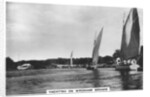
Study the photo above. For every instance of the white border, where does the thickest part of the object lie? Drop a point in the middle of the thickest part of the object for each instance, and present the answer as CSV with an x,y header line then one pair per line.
x,y
144,4
2,48
115,3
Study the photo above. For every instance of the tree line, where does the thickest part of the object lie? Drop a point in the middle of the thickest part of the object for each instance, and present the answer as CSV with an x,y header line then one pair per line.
x,y
82,62
51,63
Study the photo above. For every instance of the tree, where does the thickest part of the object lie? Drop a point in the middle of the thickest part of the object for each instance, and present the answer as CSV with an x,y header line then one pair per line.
x,y
116,54
10,64
108,59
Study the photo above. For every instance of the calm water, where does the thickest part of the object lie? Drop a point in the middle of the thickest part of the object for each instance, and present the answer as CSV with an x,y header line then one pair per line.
x,y
38,82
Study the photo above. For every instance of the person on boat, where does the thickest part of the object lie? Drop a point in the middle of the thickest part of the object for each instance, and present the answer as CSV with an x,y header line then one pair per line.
x,y
118,61
134,65
124,62
129,61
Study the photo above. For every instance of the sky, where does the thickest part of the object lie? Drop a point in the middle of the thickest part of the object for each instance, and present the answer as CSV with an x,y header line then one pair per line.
x,y
42,31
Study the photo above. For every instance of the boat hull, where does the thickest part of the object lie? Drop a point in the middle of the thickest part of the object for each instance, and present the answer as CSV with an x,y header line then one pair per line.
x,y
127,68
91,67
122,68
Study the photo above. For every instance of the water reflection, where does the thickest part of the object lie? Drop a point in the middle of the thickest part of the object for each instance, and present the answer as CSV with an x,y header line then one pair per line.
x,y
125,79
96,78
117,80
76,78
130,81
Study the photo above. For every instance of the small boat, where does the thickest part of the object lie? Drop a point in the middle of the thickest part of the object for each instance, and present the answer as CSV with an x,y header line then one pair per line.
x,y
130,42
24,66
128,66
95,54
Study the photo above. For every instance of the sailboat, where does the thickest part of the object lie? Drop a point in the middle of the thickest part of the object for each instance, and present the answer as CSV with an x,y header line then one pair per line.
x,y
71,59
130,41
95,53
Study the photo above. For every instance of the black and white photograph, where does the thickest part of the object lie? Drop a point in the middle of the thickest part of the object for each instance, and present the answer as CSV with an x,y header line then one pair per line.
x,y
79,47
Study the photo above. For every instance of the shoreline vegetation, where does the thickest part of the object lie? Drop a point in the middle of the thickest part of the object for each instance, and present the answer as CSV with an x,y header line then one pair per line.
x,y
103,62
106,61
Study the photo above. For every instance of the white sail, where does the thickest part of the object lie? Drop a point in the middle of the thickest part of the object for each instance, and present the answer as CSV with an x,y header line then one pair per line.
x,y
131,36
95,53
71,59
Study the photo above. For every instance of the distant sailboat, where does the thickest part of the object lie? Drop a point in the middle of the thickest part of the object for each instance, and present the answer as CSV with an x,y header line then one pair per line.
x,y
130,38
95,53
71,59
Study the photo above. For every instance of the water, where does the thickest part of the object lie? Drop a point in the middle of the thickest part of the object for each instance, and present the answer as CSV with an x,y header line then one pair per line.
x,y
38,81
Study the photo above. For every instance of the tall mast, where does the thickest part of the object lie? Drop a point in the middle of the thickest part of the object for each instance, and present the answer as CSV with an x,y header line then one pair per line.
x,y
71,59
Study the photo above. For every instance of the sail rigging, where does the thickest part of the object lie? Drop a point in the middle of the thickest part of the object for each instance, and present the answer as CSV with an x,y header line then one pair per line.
x,y
131,36
71,59
97,43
